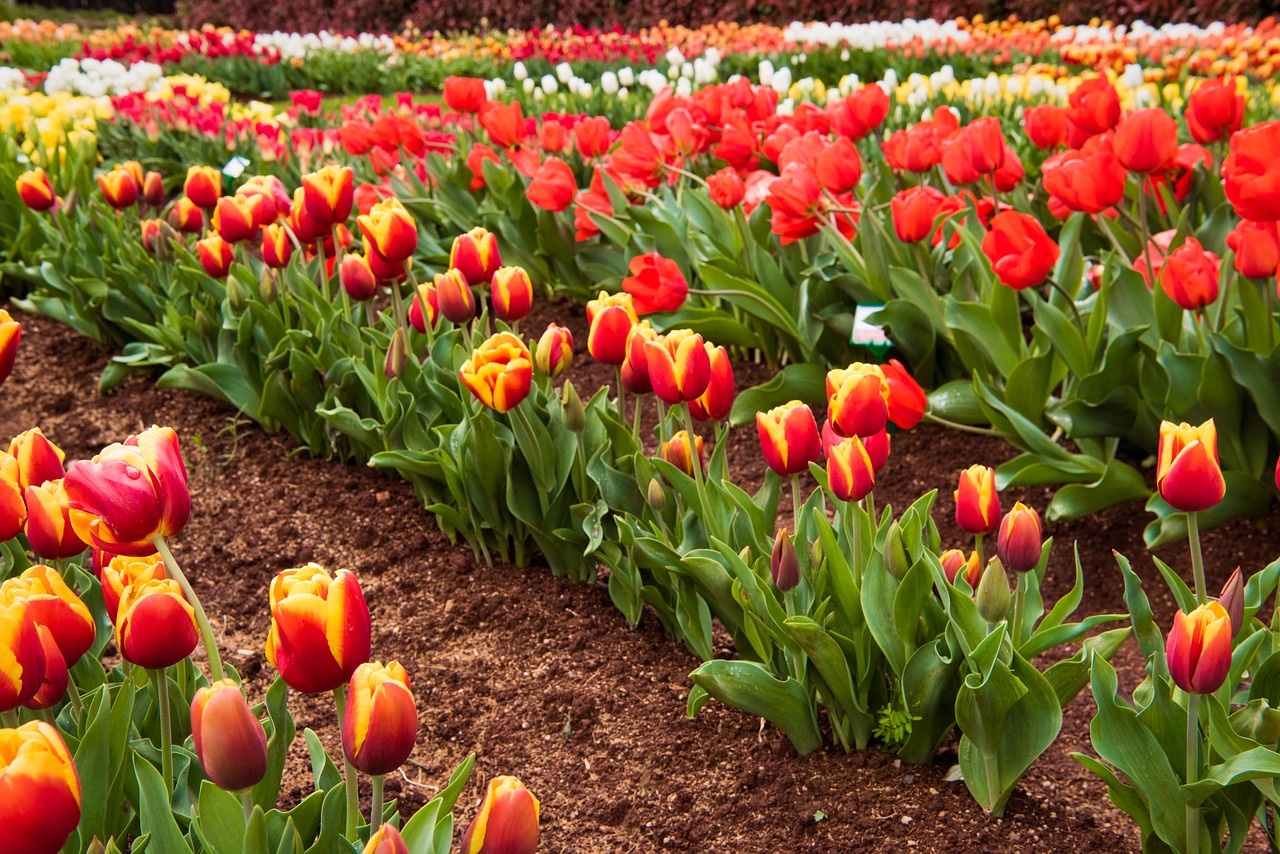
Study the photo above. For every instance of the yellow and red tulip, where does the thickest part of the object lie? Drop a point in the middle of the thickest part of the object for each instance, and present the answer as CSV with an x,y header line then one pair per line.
x,y
119,187
390,230
386,840
499,372
130,493
381,724
53,685
229,739
716,402
49,528
319,628
507,822
35,190
1198,649
268,198
635,365
1020,541
153,189
21,656
155,625
54,605
676,452
453,294
329,194
120,571
679,367
476,255
39,460
954,563
610,317
203,186
216,255
512,294
858,398
134,169
277,248
356,277
186,216
233,219
39,790
850,471
977,501
13,509
10,336
424,311
555,351
1187,471
789,438
150,232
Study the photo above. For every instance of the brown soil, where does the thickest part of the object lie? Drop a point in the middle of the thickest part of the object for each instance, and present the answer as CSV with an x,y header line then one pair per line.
x,y
541,678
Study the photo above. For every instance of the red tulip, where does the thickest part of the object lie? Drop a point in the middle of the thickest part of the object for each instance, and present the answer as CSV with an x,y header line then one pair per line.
x,y
328,195
592,136
390,230
153,189
1020,541
186,216
789,438
553,186
907,400
38,459
216,255
356,277
858,399
954,560
838,167
1189,275
386,840
635,366
611,318
974,151
476,255
21,657
726,188
1214,111
1146,140
716,402
53,685
233,219
913,212
1021,253
229,740
1257,248
977,501
1091,179
49,528
120,571
35,190
860,112
203,186
155,625
1198,649
676,451
319,628
424,311
453,294
784,563
277,248
655,284
504,123
851,473
679,367
476,158
39,790
1046,126
381,724
119,188
465,94
1251,172
1188,475
1094,106
54,605
13,509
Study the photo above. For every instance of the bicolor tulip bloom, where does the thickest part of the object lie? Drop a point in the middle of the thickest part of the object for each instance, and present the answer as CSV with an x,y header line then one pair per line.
x,y
676,452
233,219
270,191
386,840
424,311
1188,475
789,438
151,234
512,294
21,657
329,194
453,295
907,400
155,625
53,685
555,351
39,790
216,255
49,529
54,605
118,188
679,367
13,509
977,501
635,367
153,189
10,336
476,255
655,284
1020,541
121,571
716,402
130,493
356,277
381,724
499,372
1198,649
390,230
186,216
319,628
203,186
277,248
611,318
851,474
507,822
39,460
858,399
229,739
954,563
35,190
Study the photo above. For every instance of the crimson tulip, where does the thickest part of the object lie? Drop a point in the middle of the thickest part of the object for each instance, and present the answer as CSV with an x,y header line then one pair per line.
x,y
229,740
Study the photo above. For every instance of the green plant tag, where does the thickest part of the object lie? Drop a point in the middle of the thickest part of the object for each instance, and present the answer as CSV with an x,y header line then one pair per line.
x,y
868,334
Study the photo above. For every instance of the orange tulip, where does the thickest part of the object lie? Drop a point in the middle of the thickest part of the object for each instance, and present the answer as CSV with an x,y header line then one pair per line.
x,y
203,186
679,366
216,255
54,605
10,335
1198,649
977,501
1188,475
512,294
155,625
328,195
233,219
390,230
676,452
507,822
555,351
49,529
858,399
381,724
35,190
453,294
954,560
356,277
1020,541
789,438
119,188
386,840
123,570
39,790
39,460
21,657
319,628
851,474
611,318
499,372
716,402
186,216
53,685
229,739
476,255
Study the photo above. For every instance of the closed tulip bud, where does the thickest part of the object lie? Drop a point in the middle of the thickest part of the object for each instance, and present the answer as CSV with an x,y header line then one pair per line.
x,y
203,186
229,739
850,470
676,452
512,294
1188,475
329,194
977,501
386,840
49,528
35,190
54,605
954,561
716,402
858,398
151,234
21,658
1214,111
39,790
993,592
726,188
575,414
895,552
120,571
119,188
390,230
53,685
507,822
656,495
1198,649
216,255
1232,600
381,724
789,438
153,189
356,277
1189,275
10,335
635,366
268,285
186,216
237,296
476,255
155,625
13,508
233,219
453,293
611,318
555,351
397,357
1020,541
130,493
907,400
277,248
784,564
319,628
424,311
499,372
679,366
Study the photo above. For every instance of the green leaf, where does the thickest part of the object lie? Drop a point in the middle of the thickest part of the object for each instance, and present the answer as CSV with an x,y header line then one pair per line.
x,y
155,816
220,824
323,770
281,732
749,686
804,382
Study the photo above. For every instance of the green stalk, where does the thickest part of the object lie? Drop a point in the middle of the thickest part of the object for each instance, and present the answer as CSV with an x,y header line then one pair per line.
x,y
855,537
696,462
622,393
1019,597
977,547
246,800
1197,561
349,771
166,729
963,428
796,503
73,694
1193,770
375,810
202,619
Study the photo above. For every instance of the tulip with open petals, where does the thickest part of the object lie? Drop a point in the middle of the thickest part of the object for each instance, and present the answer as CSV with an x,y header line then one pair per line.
x,y
39,790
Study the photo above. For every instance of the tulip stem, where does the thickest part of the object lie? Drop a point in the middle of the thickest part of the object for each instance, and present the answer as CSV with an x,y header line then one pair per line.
x,y
1146,241
622,394
1071,302
73,694
202,619
977,547
1019,598
854,524
1197,561
695,461
246,800
166,729
796,503
349,771
956,425
375,809
1193,770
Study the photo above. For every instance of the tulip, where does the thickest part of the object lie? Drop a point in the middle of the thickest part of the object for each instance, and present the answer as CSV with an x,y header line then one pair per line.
x,y
499,372
1251,172
153,189
229,739
1089,180
1189,275
993,594
216,255
425,309
1046,126
268,198
555,351
858,397
839,167
356,277
1232,600
203,186
974,151
507,821
35,190
977,502
13,509
186,216
319,628
1094,106
381,723
21,656
454,297
119,188
397,355
277,248
907,400
1198,649
512,294
476,255
553,186
39,790
1146,140
53,685
635,366
592,136
155,625
954,561
390,230
784,564
49,528
913,212
10,335
726,188
679,366
120,571
54,605
465,94
676,452
851,473
151,234
233,219
386,840
553,138
1021,254
1214,111
1020,541
860,112
716,401
328,195
611,318
1188,475
655,284
476,158
130,493
789,438
1257,248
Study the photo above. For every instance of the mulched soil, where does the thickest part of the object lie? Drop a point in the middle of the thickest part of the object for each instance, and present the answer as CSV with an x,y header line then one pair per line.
x,y
541,678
